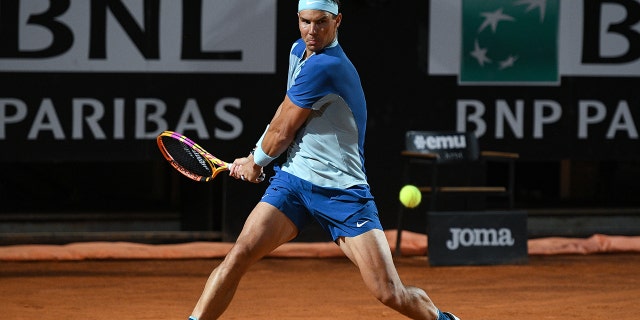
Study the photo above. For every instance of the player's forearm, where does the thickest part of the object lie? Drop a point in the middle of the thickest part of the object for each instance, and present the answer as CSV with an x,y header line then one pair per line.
x,y
270,146
280,133
276,141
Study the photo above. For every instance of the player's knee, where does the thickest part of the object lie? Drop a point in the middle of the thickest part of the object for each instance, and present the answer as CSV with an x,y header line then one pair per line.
x,y
390,295
392,300
238,259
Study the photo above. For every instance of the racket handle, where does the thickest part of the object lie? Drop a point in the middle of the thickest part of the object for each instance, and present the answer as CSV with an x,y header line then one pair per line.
x,y
259,179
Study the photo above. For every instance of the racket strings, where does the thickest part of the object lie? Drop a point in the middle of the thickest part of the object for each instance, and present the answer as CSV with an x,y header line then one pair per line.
x,y
188,158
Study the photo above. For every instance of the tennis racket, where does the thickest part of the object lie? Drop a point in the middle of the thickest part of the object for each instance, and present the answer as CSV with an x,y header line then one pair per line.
x,y
190,159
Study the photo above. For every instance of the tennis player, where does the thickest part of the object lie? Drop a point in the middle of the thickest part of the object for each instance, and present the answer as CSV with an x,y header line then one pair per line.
x,y
321,125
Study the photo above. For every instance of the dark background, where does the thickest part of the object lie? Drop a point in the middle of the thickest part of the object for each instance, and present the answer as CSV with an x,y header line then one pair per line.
x,y
388,43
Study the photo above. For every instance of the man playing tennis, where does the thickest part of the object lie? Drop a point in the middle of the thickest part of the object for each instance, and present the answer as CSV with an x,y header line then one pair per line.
x,y
321,124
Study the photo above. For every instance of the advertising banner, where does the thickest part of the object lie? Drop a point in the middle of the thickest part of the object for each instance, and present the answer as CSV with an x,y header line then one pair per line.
x,y
550,79
99,80
195,36
477,237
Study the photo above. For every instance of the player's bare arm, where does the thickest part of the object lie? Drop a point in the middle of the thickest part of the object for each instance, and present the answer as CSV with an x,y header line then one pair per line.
x,y
283,127
281,132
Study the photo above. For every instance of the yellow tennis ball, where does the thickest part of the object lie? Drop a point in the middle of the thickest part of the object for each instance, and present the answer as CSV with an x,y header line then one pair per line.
x,y
410,196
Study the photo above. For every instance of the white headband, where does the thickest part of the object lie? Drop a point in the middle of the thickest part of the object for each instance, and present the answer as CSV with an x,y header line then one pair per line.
x,y
325,5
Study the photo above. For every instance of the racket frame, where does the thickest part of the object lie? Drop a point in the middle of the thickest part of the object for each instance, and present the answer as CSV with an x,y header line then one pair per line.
x,y
214,163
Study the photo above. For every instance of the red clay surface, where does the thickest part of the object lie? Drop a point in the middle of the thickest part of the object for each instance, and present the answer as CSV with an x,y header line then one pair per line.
x,y
599,286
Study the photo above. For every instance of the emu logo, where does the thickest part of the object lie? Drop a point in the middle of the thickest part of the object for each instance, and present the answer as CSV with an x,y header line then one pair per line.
x,y
447,142
479,237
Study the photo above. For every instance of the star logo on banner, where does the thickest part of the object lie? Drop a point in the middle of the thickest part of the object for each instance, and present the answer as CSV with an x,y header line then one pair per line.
x,y
541,4
480,54
510,41
508,63
492,19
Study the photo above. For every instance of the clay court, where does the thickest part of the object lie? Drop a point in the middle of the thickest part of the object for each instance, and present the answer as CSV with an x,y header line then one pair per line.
x,y
550,286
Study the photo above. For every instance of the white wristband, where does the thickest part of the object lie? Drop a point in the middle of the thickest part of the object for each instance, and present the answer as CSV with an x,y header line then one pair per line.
x,y
261,158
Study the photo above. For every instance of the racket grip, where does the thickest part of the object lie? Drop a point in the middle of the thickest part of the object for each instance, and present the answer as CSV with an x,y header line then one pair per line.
x,y
259,179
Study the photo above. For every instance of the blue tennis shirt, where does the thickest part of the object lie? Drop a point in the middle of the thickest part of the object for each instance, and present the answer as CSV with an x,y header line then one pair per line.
x,y
328,149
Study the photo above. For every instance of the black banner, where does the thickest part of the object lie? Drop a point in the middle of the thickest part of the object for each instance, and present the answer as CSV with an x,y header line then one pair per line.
x,y
115,117
477,237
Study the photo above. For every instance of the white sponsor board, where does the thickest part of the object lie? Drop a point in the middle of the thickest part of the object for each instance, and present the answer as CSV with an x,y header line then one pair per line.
x,y
601,40
205,36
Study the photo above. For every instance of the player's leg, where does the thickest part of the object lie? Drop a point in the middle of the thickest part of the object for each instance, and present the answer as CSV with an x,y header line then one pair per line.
x,y
370,252
265,229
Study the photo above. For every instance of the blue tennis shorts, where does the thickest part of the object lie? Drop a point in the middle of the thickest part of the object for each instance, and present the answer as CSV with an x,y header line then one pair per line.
x,y
341,212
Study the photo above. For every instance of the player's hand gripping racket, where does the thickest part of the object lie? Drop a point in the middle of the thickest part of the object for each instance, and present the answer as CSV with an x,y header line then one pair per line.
x,y
190,159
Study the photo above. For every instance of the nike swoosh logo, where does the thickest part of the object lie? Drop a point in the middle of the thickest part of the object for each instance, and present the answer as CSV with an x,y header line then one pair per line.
x,y
360,224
